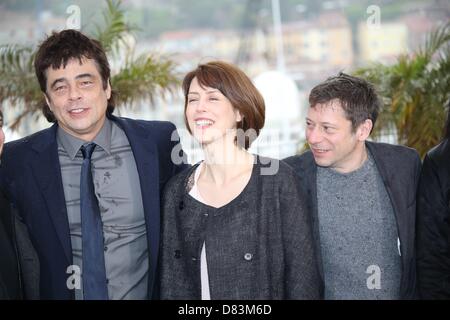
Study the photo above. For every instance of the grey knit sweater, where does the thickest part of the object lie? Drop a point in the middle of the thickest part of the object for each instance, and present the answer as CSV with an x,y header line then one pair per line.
x,y
358,235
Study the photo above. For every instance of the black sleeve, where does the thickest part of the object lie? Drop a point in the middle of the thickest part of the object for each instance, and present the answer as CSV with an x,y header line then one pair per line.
x,y
433,234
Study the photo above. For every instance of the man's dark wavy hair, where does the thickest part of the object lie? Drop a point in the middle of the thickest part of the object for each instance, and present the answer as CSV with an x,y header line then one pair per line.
x,y
358,97
58,49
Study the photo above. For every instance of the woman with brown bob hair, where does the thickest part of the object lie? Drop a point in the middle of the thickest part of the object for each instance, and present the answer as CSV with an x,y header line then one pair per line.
x,y
235,225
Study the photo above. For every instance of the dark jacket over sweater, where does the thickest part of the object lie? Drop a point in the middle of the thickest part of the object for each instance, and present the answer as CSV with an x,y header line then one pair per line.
x,y
259,246
399,168
433,224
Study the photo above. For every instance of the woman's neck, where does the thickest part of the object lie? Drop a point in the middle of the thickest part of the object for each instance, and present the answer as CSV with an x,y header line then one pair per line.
x,y
224,162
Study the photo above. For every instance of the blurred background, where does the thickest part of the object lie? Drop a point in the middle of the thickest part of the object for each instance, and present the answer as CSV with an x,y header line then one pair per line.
x,y
285,46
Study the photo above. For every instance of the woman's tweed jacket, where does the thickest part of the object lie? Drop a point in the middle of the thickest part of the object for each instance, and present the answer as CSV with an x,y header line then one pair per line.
x,y
258,246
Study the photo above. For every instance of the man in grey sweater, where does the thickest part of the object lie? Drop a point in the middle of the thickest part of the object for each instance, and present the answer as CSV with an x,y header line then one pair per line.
x,y
361,195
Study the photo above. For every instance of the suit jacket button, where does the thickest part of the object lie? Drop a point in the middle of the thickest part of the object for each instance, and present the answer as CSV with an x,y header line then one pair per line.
x,y
177,254
248,256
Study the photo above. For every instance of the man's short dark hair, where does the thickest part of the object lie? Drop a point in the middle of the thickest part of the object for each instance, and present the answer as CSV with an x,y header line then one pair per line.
x,y
58,49
358,97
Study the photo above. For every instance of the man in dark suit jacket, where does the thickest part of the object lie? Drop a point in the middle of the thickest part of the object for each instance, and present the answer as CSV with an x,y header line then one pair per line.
x,y
131,161
19,266
433,221
361,195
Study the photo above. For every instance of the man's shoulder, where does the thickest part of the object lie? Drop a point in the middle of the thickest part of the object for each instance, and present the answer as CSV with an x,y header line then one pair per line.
x,y
398,152
24,144
395,159
148,124
158,130
440,154
301,161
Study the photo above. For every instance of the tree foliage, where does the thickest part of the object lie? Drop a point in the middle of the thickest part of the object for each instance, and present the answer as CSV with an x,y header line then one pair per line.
x,y
414,92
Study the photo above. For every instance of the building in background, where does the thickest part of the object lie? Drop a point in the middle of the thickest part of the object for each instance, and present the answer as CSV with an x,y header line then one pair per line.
x,y
315,47
383,43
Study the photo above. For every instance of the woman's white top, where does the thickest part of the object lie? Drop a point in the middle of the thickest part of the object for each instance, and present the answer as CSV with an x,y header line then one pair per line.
x,y
203,265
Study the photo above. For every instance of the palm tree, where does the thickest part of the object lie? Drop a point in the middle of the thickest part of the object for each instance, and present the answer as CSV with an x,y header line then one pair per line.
x,y
414,92
139,78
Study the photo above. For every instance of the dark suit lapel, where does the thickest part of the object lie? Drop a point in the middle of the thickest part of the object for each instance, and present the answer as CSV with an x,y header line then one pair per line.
x,y
381,158
47,171
146,156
